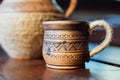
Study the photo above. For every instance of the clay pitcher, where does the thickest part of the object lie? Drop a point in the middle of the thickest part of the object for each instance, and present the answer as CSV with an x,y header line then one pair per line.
x,y
21,32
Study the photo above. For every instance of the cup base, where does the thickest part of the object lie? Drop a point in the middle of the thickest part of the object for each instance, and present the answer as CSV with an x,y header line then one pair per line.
x,y
66,67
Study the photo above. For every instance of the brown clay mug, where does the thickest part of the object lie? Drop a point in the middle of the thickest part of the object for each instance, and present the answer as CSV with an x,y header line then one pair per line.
x,y
65,43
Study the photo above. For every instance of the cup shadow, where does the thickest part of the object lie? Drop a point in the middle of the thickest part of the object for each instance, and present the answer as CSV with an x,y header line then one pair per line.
x,y
74,74
3,54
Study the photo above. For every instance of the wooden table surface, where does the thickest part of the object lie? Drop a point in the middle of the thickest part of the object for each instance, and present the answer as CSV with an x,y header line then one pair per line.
x,y
11,69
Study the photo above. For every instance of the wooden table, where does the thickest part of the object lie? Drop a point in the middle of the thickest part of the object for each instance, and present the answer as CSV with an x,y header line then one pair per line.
x,y
11,69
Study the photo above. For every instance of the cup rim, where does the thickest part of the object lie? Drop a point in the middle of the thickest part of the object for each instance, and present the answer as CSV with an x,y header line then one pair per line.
x,y
64,22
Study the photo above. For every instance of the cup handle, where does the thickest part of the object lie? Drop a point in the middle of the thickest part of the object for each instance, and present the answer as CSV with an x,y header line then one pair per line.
x,y
107,39
71,8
